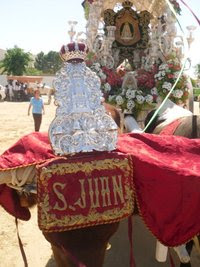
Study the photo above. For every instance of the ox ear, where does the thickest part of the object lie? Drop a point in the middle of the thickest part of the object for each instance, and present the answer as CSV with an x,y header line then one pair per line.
x,y
10,201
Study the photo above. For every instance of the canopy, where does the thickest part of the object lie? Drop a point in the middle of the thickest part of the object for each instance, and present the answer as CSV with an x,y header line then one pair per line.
x,y
155,7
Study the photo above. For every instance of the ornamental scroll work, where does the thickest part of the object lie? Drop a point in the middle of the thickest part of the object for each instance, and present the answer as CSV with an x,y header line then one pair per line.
x,y
80,192
131,27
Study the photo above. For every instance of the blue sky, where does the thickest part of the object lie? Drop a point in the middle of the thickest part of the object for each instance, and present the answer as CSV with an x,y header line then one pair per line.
x,y
38,25
42,25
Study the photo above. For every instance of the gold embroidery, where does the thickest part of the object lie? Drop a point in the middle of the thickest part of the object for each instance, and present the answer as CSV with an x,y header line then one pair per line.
x,y
49,222
105,191
91,192
118,189
60,196
81,202
86,167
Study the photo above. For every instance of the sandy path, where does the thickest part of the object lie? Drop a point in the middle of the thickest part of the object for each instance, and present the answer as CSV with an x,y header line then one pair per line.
x,y
15,123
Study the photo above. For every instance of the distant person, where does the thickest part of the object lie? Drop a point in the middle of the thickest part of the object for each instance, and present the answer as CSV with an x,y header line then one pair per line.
x,y
7,92
16,89
37,105
10,90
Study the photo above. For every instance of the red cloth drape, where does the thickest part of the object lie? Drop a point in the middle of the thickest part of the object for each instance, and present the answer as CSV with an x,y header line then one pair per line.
x,y
166,179
167,184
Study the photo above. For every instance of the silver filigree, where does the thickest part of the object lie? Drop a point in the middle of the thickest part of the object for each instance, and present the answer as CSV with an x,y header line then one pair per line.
x,y
81,123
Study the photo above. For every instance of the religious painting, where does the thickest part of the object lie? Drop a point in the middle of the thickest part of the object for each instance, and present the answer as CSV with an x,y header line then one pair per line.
x,y
131,26
127,30
131,34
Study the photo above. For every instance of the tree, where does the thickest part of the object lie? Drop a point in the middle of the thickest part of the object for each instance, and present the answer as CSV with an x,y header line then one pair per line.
x,y
40,61
15,61
32,71
49,63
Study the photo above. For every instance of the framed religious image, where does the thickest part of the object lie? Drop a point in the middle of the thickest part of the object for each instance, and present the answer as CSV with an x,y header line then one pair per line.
x,y
127,29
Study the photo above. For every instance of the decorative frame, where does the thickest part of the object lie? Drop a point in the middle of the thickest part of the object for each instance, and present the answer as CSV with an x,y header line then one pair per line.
x,y
138,23
68,173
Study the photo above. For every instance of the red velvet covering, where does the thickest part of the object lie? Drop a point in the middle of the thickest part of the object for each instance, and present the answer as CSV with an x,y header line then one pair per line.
x,y
167,184
11,203
84,190
166,179
29,150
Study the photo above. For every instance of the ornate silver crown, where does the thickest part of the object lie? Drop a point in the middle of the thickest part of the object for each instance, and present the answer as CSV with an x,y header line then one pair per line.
x,y
81,123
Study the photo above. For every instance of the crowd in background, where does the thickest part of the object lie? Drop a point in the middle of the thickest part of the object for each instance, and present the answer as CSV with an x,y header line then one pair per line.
x,y
16,91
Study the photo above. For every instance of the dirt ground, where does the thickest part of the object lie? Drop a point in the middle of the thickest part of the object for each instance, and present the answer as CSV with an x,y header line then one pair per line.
x,y
15,123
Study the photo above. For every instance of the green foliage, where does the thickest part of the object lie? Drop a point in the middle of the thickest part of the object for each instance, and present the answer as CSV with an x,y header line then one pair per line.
x,y
196,91
194,82
15,61
33,72
39,61
49,63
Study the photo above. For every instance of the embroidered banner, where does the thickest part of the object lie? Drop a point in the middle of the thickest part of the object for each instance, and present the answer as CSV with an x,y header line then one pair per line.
x,y
91,189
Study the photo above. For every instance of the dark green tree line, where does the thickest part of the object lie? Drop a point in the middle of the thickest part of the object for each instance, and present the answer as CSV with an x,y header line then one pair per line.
x,y
15,61
49,63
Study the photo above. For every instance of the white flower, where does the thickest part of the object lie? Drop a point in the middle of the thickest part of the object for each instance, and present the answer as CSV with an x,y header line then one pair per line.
x,y
130,104
107,87
140,99
167,85
154,91
163,66
97,66
159,75
119,100
133,93
163,73
176,74
102,75
177,93
130,93
149,98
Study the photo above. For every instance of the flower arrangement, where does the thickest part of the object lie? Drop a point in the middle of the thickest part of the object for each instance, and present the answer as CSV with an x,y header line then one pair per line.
x,y
111,80
165,78
138,92
141,89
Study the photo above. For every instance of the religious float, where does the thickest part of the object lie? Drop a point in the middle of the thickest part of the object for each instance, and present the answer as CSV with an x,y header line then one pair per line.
x,y
85,176
137,52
